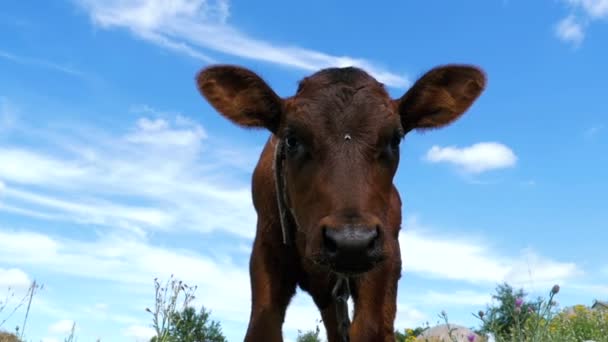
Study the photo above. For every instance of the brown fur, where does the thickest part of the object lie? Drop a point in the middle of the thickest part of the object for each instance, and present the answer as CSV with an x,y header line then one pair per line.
x,y
332,182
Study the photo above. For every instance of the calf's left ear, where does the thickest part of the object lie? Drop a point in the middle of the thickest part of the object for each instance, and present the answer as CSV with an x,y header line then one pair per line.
x,y
440,96
241,96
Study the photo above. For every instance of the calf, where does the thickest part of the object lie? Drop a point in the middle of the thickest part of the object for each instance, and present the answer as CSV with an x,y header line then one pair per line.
x,y
328,212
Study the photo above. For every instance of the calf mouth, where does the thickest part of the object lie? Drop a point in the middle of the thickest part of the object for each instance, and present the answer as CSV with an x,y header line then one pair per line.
x,y
348,267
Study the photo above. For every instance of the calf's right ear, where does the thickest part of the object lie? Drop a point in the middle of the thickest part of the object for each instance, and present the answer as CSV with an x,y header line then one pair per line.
x,y
241,96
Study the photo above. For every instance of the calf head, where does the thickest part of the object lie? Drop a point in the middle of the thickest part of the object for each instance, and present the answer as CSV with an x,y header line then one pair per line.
x,y
342,132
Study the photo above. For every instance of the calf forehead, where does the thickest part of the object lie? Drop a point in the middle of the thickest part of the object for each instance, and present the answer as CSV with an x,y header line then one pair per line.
x,y
342,99
352,76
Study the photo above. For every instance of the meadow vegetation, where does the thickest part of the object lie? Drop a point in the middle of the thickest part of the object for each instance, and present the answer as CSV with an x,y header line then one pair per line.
x,y
512,317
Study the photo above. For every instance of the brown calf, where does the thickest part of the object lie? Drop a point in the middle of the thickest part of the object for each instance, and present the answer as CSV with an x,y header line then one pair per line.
x,y
323,187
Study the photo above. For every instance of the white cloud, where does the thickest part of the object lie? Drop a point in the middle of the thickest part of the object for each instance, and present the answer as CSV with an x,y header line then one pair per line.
x,y
473,261
189,25
62,327
167,163
460,298
140,333
302,314
408,317
593,131
24,166
594,8
223,287
14,278
132,262
598,291
477,158
8,115
159,132
570,30
41,63
50,339
95,212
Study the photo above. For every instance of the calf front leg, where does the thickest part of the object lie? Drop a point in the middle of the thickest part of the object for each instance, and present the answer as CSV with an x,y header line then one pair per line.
x,y
272,286
320,285
375,298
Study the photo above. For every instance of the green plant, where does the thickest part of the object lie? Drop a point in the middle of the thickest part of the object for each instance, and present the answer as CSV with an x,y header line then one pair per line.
x,y
190,326
579,324
509,315
71,337
408,335
8,337
175,320
309,336
166,303
541,321
27,298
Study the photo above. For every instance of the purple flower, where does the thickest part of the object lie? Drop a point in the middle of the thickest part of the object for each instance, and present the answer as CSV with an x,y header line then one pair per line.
x,y
519,302
471,337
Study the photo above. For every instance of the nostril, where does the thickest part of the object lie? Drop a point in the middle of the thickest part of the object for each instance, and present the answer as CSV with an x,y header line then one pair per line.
x,y
372,244
374,240
329,242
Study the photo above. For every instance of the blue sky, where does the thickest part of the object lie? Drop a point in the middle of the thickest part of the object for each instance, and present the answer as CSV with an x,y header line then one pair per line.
x,y
114,171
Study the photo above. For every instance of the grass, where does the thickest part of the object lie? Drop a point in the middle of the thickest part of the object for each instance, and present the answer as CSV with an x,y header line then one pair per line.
x,y
512,319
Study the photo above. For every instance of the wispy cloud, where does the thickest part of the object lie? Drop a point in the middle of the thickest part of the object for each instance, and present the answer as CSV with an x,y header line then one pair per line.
x,y
571,29
593,131
190,26
140,333
8,115
62,327
460,297
477,158
42,64
472,261
132,263
167,163
13,278
595,9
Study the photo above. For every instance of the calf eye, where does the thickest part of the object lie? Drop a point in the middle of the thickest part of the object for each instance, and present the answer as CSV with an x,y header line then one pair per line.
x,y
395,141
292,142
390,151
293,145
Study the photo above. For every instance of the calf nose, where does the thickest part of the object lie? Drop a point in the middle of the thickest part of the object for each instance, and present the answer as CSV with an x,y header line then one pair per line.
x,y
351,248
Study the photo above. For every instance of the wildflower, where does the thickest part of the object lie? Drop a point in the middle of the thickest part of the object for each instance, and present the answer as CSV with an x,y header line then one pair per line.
x,y
519,302
555,289
481,314
471,337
